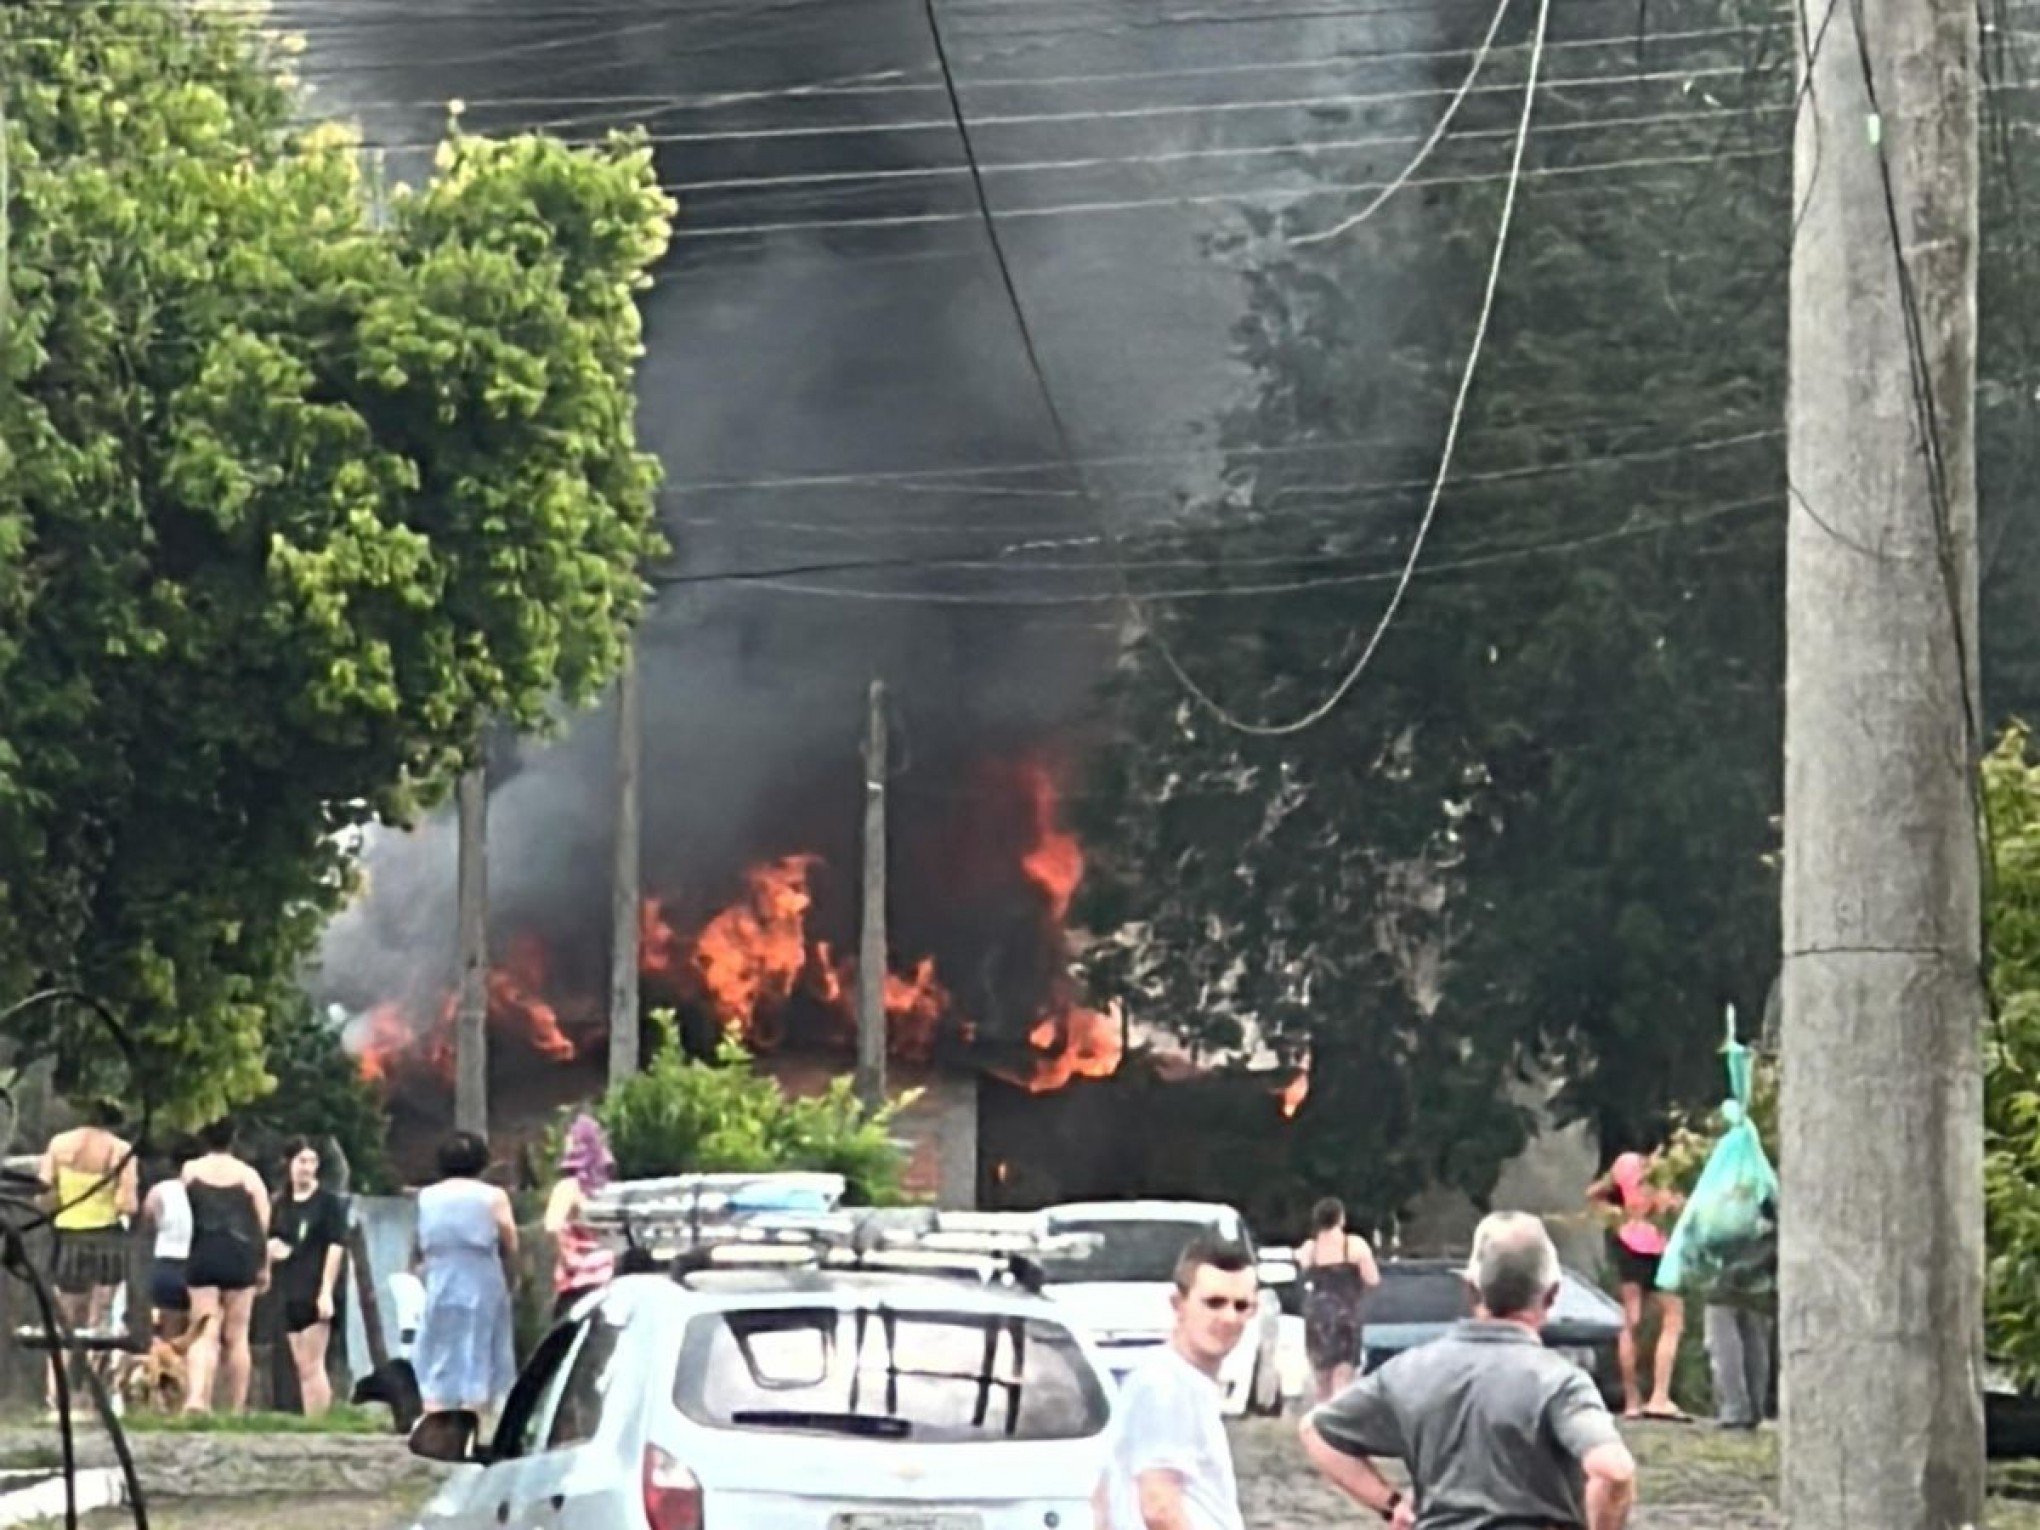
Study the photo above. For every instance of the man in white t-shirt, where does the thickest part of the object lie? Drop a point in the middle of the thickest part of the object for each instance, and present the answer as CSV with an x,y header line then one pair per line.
x,y
1171,1465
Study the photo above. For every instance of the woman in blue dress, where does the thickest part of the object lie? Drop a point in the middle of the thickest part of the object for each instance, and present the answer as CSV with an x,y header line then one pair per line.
x,y
466,1252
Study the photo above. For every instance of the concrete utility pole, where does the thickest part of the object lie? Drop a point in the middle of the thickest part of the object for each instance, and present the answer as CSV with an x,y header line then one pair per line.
x,y
1881,1257
625,893
871,950
471,1017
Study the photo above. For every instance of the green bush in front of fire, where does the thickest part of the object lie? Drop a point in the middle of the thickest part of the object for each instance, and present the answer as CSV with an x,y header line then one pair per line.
x,y
300,486
680,1115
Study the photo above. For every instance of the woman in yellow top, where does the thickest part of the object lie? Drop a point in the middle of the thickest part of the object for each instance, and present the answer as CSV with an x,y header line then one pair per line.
x,y
91,1175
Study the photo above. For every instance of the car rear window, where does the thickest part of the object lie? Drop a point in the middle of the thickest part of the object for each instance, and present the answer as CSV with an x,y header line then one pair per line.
x,y
880,1373
1144,1252
1417,1296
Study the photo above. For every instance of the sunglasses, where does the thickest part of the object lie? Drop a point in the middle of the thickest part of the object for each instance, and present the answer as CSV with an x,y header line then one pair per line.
x,y
1221,1303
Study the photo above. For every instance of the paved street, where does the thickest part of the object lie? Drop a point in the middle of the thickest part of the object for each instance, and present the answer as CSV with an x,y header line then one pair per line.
x,y
1693,1479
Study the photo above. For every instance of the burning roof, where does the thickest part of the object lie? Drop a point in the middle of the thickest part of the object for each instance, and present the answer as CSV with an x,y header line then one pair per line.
x,y
756,967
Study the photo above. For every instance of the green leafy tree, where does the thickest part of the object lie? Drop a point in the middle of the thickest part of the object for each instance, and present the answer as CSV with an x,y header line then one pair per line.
x,y
298,486
2012,1057
1538,838
1533,839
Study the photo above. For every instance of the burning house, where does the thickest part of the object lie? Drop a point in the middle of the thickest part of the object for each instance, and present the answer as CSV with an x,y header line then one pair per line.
x,y
764,966
834,384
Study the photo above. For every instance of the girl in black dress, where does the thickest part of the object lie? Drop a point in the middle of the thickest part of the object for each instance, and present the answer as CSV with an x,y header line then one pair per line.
x,y
1338,1271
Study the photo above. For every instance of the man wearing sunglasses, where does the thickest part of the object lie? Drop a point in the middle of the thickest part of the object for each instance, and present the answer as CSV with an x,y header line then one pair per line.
x,y
1496,1430
1171,1465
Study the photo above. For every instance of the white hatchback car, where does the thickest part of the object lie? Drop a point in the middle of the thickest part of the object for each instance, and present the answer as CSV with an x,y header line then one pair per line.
x,y
1117,1293
794,1399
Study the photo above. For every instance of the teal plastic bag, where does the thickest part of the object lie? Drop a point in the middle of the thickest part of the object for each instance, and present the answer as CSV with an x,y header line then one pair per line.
x,y
1725,1240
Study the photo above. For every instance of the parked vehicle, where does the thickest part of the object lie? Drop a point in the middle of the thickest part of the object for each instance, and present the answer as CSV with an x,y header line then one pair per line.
x,y
793,1398
1117,1291
1419,1299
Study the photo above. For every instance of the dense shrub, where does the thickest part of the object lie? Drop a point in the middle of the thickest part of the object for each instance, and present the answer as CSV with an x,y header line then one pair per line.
x,y
682,1116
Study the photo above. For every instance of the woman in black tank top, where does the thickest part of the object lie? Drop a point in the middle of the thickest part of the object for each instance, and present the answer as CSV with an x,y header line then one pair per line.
x,y
229,1257
226,1243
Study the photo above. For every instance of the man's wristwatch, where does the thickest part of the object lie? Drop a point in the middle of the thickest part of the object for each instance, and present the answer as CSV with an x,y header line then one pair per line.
x,y
1394,1502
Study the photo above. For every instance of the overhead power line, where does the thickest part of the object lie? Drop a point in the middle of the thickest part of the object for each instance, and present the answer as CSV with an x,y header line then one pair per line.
x,y
788,583
899,81
1437,136
1066,444
697,234
1316,714
1302,149
970,477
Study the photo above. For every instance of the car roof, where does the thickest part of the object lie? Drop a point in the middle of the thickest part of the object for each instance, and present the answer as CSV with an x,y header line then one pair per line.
x,y
723,1290
1438,1264
1143,1211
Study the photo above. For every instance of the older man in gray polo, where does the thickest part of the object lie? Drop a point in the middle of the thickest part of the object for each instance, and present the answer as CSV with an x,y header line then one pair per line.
x,y
1496,1430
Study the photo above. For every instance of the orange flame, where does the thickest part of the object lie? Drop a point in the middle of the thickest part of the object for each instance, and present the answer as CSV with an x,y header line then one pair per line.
x,y
914,1007
1295,1093
1079,1043
826,976
755,951
386,1038
1055,862
658,946
515,1005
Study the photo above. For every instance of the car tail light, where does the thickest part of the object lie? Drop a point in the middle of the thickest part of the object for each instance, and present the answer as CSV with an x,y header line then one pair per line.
x,y
672,1495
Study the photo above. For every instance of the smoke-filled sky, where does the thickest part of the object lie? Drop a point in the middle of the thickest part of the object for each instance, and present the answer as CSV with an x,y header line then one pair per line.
x,y
835,373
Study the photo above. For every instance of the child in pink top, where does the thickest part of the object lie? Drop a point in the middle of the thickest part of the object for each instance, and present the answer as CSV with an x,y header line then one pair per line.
x,y
582,1261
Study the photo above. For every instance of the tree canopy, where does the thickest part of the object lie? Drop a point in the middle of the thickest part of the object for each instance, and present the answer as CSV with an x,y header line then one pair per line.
x,y
1536,841
299,484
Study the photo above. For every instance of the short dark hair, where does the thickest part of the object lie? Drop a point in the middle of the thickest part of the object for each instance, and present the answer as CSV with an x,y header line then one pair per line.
x,y
1210,1249
293,1146
1327,1214
463,1155
219,1137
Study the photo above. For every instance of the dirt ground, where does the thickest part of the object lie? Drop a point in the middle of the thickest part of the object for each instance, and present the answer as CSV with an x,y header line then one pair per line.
x,y
1694,1478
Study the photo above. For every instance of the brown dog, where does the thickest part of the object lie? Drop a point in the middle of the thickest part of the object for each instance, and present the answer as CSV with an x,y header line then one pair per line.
x,y
154,1380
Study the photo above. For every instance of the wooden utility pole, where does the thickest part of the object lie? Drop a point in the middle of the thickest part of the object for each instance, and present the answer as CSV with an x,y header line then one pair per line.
x,y
625,892
471,1016
1881,1217
871,950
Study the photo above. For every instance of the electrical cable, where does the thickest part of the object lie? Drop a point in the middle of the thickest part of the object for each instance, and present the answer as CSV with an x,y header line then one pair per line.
x,y
771,579
901,82
1444,125
1066,442
969,478
1264,515
767,183
1514,178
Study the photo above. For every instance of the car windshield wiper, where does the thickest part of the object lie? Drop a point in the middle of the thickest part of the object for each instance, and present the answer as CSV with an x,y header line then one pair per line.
x,y
842,1423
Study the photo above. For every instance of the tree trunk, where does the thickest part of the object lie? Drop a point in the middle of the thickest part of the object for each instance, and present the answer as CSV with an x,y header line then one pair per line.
x,y
1881,1256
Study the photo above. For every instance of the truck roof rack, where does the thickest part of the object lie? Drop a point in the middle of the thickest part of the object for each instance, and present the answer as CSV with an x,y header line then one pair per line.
x,y
694,1223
